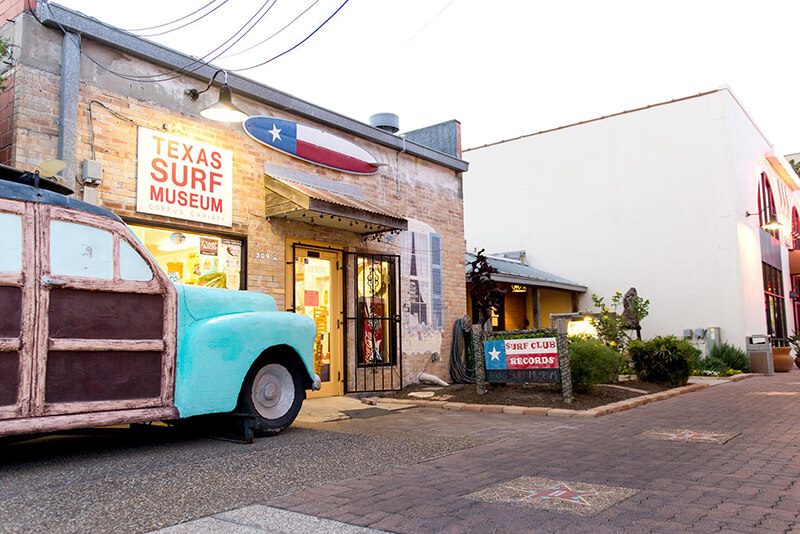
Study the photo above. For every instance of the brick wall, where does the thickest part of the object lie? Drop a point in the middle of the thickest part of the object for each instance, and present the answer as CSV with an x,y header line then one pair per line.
x,y
11,8
7,121
407,186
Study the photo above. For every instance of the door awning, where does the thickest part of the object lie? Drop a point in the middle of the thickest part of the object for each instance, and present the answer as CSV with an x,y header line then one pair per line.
x,y
300,202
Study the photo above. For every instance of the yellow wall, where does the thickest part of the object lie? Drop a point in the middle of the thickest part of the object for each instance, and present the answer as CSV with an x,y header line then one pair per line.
x,y
515,311
554,301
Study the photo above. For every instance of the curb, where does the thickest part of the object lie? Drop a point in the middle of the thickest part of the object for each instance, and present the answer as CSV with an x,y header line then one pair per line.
x,y
606,409
736,378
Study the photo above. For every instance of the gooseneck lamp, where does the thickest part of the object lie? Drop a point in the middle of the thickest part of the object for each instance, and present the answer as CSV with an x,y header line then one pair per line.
x,y
224,110
771,221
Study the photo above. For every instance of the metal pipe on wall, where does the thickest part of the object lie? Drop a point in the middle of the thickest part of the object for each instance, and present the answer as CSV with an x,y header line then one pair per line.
x,y
68,105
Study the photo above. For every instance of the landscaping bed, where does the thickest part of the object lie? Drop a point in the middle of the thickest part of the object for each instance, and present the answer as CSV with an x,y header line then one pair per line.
x,y
531,395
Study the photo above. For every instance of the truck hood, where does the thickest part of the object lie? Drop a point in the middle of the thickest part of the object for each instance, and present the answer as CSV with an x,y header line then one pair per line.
x,y
207,302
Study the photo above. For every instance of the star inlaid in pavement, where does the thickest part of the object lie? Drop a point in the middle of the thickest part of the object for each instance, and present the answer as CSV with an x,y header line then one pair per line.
x,y
561,491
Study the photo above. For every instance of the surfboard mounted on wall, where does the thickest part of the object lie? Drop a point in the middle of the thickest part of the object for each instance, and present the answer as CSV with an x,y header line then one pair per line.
x,y
311,144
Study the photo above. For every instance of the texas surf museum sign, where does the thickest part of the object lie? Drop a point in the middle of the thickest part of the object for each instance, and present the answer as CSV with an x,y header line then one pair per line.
x,y
183,178
522,360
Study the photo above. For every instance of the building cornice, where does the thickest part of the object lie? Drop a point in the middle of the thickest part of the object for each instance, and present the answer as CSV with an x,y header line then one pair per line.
x,y
56,16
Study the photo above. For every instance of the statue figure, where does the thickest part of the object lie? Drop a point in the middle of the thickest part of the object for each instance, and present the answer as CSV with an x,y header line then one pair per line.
x,y
630,319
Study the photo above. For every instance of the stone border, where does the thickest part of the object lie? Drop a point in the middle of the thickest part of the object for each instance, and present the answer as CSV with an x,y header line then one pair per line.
x,y
606,409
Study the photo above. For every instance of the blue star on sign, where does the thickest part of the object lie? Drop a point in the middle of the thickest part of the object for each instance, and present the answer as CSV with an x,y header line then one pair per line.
x,y
494,354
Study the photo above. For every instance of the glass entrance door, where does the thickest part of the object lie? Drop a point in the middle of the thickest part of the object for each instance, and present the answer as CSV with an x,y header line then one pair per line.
x,y
318,294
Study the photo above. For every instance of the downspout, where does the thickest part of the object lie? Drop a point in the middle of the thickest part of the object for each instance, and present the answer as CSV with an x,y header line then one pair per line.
x,y
68,105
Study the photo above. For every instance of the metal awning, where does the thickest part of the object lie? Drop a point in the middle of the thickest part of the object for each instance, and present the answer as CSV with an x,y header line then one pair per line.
x,y
304,203
516,272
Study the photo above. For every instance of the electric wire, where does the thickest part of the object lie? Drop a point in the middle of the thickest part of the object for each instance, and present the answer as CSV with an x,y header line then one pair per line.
x,y
184,70
132,30
204,60
306,10
201,17
419,31
273,58
116,114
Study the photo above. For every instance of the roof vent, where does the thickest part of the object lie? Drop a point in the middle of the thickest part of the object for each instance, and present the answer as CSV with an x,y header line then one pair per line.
x,y
388,122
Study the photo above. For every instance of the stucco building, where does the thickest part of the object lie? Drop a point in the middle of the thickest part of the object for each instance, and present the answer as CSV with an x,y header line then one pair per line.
x,y
669,199
375,256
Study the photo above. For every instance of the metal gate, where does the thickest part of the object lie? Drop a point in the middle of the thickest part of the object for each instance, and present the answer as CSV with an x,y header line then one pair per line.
x,y
373,341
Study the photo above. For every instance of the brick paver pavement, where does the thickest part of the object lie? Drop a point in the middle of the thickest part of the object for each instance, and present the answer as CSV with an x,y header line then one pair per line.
x,y
749,484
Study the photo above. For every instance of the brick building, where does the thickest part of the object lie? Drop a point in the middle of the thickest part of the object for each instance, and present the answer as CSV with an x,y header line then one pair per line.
x,y
375,258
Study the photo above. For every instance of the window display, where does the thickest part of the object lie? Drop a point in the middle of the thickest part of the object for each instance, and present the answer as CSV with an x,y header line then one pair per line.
x,y
195,259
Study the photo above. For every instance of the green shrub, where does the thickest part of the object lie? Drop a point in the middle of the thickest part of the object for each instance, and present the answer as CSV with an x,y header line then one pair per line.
x,y
730,357
663,359
591,362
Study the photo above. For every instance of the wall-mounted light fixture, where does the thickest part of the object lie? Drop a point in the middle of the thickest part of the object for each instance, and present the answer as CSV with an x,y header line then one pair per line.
x,y
770,222
224,110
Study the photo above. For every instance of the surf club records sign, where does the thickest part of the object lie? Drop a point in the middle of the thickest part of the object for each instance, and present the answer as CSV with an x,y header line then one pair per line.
x,y
522,360
183,178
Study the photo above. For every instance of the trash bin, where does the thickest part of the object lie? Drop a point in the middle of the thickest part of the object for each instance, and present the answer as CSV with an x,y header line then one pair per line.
x,y
759,349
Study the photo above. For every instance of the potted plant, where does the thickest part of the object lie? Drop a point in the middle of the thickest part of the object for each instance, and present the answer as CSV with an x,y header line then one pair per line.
x,y
794,342
781,355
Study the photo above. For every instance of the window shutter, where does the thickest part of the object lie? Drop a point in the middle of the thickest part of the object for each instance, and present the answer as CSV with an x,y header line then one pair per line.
x,y
437,286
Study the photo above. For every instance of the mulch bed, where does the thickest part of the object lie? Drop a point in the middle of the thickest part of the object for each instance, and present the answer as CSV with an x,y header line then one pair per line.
x,y
531,395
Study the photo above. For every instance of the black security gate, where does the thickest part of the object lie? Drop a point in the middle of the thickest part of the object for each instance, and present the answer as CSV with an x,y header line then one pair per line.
x,y
372,323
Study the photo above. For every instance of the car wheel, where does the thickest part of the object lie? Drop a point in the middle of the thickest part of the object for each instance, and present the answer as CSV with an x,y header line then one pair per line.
x,y
273,393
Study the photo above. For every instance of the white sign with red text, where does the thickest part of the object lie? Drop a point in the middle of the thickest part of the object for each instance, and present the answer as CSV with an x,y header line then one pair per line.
x,y
183,178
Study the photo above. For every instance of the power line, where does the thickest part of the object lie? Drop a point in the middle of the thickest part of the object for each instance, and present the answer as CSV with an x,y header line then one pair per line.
x,y
173,21
204,60
184,70
419,31
201,17
306,10
295,46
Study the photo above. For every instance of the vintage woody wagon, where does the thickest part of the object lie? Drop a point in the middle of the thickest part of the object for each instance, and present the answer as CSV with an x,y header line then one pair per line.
x,y
92,332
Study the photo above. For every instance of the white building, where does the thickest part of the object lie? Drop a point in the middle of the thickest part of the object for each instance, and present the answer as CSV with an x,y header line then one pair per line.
x,y
655,198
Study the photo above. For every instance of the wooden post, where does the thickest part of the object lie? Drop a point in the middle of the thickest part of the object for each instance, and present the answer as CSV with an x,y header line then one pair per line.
x,y
478,335
563,359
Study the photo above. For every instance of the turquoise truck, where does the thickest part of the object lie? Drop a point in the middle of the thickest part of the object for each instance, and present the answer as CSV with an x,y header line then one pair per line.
x,y
93,333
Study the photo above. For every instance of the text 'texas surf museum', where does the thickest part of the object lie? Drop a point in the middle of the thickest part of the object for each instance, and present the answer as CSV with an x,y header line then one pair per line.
x,y
355,226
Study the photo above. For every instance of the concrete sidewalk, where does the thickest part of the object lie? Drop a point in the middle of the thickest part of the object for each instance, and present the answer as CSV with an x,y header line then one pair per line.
x,y
722,459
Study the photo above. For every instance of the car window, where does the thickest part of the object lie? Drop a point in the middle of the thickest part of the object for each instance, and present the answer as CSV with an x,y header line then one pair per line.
x,y
80,250
131,265
11,243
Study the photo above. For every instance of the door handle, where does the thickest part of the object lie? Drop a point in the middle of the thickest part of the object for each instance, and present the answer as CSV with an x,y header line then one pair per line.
x,y
52,282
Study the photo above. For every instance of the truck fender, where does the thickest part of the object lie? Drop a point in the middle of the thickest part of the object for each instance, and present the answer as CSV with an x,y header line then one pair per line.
x,y
214,356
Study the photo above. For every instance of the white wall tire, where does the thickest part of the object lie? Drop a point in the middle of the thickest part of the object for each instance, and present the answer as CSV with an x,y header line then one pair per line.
x,y
273,393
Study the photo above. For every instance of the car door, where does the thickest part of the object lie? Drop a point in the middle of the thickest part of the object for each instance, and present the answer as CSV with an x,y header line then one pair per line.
x,y
17,294
106,318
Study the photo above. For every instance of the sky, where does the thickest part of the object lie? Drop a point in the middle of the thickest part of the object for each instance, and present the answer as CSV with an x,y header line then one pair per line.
x,y
503,68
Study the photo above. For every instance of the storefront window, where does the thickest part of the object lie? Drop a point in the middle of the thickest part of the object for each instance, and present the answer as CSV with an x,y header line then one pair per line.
x,y
773,303
194,259
376,310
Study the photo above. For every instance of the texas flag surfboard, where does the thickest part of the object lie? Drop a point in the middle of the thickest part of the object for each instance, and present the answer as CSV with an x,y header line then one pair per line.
x,y
310,144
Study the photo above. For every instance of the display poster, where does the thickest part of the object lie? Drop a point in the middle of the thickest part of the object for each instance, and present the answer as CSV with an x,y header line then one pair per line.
x,y
183,178
208,247
230,258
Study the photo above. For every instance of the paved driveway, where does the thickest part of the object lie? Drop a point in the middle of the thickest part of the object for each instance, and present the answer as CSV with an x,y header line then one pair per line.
x,y
737,471
430,470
